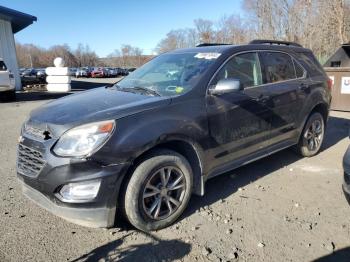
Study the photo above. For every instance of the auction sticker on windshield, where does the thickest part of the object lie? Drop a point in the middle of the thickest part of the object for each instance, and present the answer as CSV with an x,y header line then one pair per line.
x,y
208,56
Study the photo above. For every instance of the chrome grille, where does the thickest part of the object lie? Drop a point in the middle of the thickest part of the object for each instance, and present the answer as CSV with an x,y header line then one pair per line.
x,y
30,162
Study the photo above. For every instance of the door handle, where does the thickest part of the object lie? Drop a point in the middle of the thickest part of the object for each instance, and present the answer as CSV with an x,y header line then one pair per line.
x,y
303,86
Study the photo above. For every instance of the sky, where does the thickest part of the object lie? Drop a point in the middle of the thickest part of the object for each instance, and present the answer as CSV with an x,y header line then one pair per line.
x,y
106,25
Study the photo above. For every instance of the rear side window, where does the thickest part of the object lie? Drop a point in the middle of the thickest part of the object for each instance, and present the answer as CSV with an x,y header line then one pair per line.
x,y
2,66
277,67
244,67
314,67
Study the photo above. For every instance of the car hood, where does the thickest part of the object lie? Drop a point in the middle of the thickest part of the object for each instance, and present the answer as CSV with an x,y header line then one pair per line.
x,y
90,106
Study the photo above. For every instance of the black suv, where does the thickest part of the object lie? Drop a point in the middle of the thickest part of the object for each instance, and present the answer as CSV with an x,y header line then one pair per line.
x,y
142,146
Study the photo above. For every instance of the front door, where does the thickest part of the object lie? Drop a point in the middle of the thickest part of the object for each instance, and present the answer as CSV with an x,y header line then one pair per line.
x,y
239,122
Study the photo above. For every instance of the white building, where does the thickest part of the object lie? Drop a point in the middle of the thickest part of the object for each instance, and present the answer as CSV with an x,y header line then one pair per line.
x,y
11,22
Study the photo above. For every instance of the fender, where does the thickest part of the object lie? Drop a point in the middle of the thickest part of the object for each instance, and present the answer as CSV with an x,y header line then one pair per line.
x,y
318,96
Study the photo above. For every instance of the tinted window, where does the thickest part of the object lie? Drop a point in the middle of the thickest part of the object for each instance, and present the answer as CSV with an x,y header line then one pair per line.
x,y
2,66
244,67
299,71
277,67
313,66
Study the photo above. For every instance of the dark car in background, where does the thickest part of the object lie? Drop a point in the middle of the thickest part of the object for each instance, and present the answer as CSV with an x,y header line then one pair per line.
x,y
33,76
346,183
124,72
142,147
29,73
40,73
132,69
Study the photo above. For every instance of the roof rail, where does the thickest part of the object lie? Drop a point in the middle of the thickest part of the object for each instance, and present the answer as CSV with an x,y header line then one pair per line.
x,y
274,42
210,44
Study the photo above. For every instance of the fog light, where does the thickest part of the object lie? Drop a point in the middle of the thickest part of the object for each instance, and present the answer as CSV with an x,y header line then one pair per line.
x,y
80,192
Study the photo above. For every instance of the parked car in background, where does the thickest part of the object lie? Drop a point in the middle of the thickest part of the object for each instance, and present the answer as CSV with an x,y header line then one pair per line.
x,y
7,83
132,69
72,71
110,71
83,72
33,76
118,71
99,72
40,73
29,73
143,146
124,72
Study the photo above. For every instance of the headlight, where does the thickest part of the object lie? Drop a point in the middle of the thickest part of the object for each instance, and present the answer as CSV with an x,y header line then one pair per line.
x,y
83,140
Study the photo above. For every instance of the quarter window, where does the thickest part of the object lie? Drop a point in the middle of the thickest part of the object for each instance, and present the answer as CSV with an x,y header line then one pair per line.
x,y
299,71
244,67
277,67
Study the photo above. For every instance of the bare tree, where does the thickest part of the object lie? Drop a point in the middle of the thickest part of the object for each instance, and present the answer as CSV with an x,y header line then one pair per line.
x,y
205,30
84,56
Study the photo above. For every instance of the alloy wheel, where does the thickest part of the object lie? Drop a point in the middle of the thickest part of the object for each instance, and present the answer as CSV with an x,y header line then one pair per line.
x,y
314,135
164,192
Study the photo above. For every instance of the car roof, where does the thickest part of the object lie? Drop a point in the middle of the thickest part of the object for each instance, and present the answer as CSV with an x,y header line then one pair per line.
x,y
239,48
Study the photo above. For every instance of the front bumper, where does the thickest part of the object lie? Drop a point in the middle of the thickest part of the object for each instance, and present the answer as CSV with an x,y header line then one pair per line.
x,y
89,217
43,188
7,88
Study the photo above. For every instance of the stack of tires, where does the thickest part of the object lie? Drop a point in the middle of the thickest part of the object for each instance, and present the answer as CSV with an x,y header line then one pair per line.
x,y
58,78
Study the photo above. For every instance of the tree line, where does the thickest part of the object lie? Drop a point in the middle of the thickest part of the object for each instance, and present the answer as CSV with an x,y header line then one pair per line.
x,y
32,56
321,25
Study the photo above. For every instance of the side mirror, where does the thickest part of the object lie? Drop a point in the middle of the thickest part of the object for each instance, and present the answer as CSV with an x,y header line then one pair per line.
x,y
224,86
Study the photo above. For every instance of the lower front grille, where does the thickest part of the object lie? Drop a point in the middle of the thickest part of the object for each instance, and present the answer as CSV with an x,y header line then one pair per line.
x,y
30,162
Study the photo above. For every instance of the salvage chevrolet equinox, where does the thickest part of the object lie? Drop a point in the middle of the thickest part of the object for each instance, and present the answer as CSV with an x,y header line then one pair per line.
x,y
142,147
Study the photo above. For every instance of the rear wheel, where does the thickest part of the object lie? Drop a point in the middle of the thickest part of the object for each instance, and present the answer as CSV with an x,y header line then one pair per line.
x,y
158,191
312,136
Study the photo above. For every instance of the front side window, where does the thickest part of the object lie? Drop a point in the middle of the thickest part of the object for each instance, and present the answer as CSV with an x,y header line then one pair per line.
x,y
169,74
244,67
2,66
277,67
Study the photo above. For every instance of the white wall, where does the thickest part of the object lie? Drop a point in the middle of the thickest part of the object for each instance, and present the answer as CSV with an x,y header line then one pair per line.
x,y
8,50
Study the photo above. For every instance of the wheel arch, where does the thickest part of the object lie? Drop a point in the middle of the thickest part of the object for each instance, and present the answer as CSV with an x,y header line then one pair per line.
x,y
185,147
323,109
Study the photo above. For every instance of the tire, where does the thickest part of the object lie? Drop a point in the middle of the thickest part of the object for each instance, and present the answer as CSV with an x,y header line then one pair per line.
x,y
311,138
8,96
145,190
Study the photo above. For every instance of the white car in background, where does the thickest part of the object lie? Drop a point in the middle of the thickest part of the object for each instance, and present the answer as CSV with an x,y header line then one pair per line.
x,y
7,83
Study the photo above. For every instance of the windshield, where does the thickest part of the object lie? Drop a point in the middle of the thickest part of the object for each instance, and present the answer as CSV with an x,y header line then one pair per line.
x,y
169,74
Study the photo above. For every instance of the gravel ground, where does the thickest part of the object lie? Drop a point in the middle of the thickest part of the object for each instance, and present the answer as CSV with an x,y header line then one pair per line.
x,y
281,208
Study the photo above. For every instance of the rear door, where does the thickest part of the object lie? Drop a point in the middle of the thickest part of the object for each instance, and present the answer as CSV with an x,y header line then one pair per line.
x,y
285,80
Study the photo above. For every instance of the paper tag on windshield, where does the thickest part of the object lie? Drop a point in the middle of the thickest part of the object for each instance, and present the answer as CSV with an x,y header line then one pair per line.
x,y
208,56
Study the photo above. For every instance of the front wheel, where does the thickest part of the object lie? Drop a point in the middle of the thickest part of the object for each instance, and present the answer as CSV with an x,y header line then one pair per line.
x,y
8,96
158,191
311,139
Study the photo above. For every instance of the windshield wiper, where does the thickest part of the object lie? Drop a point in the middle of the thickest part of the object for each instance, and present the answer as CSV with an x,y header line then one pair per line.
x,y
147,90
139,89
